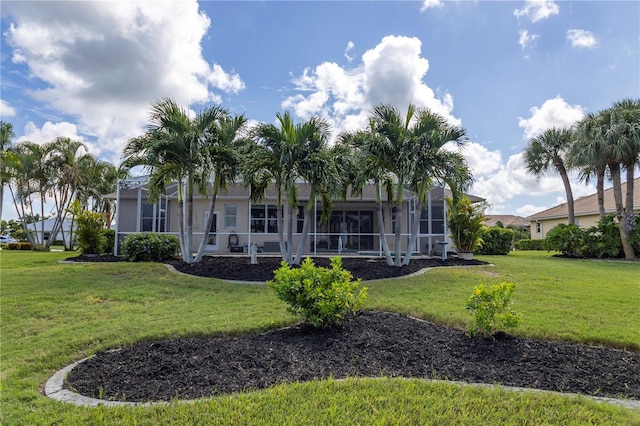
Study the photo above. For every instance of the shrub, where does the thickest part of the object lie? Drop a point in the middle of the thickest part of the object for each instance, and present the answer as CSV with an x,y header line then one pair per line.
x,y
20,245
567,239
323,296
38,247
465,220
526,244
147,247
90,233
603,240
110,240
497,240
491,310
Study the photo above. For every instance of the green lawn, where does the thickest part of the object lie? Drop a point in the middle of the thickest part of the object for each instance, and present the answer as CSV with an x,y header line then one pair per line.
x,y
53,314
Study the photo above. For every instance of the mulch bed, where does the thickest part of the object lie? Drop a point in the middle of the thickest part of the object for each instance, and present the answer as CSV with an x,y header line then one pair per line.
x,y
239,268
370,344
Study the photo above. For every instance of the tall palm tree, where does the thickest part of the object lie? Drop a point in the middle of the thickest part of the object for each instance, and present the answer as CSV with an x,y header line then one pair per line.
x,y
222,145
365,168
173,150
548,151
433,164
318,168
622,152
6,135
266,163
586,154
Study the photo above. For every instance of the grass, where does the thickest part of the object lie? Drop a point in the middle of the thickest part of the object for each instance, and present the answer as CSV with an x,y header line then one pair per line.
x,y
53,314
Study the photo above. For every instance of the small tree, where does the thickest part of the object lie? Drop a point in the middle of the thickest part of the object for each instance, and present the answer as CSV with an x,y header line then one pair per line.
x,y
465,224
567,239
91,238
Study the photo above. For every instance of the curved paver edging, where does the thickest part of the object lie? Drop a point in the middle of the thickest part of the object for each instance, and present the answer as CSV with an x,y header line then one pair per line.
x,y
54,389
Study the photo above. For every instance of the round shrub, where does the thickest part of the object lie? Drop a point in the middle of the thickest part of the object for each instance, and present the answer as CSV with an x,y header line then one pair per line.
x,y
567,239
496,241
110,239
323,296
148,247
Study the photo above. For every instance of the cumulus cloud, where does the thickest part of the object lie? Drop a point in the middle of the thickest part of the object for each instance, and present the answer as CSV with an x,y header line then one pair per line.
x,y
430,4
553,113
392,73
6,110
537,10
49,131
347,51
105,62
582,38
527,40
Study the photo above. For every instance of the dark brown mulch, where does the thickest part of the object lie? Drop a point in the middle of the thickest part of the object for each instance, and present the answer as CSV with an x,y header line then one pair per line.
x,y
370,344
241,269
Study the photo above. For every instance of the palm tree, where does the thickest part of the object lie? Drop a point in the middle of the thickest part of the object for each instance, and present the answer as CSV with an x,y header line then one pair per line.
x,y
433,164
547,151
318,167
6,135
222,145
267,162
364,168
586,154
621,128
173,150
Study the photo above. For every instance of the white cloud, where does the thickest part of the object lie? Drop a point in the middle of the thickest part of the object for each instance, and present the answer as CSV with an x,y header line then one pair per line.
x,y
430,4
6,110
537,10
347,51
526,39
49,131
553,113
105,62
582,38
392,73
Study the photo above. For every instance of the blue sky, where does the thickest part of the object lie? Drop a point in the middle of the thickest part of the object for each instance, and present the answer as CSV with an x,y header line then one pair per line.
x,y
504,70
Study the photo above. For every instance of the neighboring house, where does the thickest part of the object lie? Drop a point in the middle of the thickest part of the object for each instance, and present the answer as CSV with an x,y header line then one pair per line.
x,y
586,211
507,220
36,229
352,227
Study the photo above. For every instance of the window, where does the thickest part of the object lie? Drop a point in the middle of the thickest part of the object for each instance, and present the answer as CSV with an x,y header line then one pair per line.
x,y
230,215
300,221
539,227
150,214
263,219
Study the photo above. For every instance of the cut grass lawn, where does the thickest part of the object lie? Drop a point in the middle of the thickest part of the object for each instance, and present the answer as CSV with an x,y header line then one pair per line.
x,y
53,314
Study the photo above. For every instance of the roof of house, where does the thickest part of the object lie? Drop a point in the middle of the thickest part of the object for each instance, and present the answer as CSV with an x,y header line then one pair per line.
x,y
506,219
588,205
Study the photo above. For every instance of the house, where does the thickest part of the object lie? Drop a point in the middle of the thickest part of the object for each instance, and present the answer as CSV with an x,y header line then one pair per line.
x,y
585,208
507,220
239,222
36,229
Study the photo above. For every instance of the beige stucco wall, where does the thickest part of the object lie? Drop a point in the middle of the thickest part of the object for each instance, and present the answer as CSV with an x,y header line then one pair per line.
x,y
548,224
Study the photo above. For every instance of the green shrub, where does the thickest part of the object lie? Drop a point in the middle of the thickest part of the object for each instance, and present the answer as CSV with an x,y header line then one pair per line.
x,y
567,239
603,240
491,309
497,240
323,296
20,245
465,220
148,246
38,247
526,244
110,240
90,233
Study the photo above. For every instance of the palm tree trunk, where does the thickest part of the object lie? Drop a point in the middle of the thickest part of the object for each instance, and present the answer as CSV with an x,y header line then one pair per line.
x,y
415,226
569,192
398,239
290,211
207,229
305,230
381,232
628,221
620,211
600,189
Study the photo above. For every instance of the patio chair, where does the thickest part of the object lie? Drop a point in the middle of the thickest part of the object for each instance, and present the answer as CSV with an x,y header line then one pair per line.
x,y
233,244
